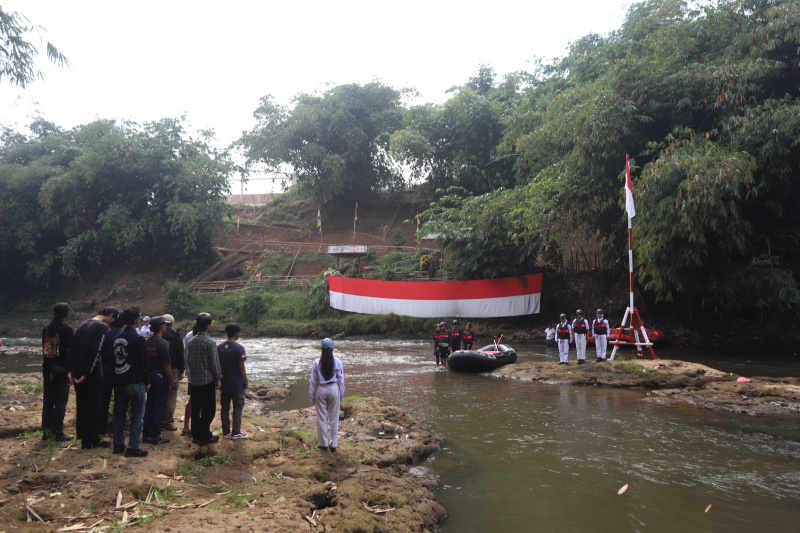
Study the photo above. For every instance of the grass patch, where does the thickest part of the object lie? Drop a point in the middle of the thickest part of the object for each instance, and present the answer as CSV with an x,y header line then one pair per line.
x,y
31,433
189,471
218,459
631,367
240,498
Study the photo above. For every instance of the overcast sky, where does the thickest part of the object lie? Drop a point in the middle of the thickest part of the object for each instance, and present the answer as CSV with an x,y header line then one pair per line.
x,y
212,61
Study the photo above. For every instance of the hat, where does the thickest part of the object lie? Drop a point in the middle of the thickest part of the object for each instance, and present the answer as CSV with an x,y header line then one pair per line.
x,y
327,343
157,322
169,319
146,319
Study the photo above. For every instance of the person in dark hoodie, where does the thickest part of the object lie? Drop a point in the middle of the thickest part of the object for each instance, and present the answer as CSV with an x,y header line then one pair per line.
x,y
178,363
107,358
87,374
56,347
130,383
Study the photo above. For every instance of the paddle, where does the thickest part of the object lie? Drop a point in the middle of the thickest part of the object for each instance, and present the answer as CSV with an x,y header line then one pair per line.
x,y
498,342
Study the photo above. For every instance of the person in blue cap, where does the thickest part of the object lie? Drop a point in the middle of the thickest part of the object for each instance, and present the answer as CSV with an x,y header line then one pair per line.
x,y
326,391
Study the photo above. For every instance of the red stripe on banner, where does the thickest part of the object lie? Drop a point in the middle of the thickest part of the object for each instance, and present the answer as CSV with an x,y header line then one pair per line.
x,y
438,290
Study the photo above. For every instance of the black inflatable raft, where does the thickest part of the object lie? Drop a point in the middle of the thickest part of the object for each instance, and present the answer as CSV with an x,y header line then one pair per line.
x,y
483,360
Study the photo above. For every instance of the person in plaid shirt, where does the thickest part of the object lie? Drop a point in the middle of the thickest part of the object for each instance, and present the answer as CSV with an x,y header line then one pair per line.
x,y
205,378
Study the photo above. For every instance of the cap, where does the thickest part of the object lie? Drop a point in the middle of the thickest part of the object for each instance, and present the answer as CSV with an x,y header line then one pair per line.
x,y
327,343
157,322
169,319
146,319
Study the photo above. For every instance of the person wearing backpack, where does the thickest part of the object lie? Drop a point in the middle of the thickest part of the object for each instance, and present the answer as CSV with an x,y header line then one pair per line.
x,y
56,348
130,384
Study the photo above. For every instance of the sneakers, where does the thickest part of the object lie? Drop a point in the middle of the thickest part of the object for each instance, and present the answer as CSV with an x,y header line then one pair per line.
x,y
562,363
240,436
581,361
600,360
119,448
323,448
159,440
63,437
212,440
135,452
332,448
227,435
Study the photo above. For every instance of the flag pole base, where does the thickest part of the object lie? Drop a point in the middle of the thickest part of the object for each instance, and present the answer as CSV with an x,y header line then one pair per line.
x,y
634,327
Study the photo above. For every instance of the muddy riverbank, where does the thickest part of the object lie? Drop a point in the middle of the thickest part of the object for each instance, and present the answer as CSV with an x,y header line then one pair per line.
x,y
673,382
277,480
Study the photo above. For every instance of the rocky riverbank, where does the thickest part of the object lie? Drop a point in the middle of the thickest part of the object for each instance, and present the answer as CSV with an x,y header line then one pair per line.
x,y
673,382
278,480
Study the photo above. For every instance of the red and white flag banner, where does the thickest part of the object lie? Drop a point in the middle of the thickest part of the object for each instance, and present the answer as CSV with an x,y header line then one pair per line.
x,y
475,299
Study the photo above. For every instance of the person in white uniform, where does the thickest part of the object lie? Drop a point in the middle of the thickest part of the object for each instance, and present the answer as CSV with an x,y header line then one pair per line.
x,y
564,336
326,391
580,327
600,329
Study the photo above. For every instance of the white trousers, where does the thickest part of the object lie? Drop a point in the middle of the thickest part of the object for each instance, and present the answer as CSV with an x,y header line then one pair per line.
x,y
326,403
601,343
580,346
563,350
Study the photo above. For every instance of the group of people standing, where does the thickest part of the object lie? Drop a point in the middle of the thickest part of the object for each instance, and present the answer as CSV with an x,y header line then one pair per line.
x,y
446,341
565,333
114,354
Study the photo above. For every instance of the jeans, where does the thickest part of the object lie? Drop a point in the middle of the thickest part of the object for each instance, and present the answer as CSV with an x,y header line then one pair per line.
x,y
55,397
123,394
204,407
156,402
238,406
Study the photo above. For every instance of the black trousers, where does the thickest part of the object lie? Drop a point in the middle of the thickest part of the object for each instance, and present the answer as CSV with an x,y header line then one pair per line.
x,y
55,397
88,397
204,408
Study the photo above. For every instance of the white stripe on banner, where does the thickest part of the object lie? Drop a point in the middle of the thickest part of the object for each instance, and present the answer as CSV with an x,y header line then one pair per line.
x,y
526,304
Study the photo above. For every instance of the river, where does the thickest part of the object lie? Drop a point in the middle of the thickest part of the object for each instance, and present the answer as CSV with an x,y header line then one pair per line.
x,y
522,456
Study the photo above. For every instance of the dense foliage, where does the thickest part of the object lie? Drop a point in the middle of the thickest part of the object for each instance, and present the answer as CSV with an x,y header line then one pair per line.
x,y
705,99
73,202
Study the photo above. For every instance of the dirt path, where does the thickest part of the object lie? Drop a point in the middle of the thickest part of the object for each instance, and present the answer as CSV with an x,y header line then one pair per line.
x,y
278,480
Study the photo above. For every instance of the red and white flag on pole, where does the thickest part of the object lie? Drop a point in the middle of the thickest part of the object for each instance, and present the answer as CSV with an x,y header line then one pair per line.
x,y
628,190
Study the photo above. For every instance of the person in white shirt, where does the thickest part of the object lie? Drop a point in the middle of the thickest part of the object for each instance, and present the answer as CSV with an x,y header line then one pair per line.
x,y
326,391
580,327
550,335
564,335
600,329
144,330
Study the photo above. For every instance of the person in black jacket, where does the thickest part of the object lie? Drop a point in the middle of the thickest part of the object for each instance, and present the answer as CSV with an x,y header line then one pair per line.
x,y
86,371
56,348
130,383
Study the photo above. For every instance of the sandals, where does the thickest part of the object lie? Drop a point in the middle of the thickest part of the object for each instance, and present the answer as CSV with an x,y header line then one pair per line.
x,y
185,433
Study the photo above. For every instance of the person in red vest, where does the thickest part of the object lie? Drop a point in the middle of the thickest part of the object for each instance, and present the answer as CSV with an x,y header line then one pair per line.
x,y
564,336
467,337
580,327
600,329
443,344
455,337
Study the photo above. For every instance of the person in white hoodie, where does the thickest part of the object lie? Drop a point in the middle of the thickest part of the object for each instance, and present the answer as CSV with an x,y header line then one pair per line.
x,y
326,391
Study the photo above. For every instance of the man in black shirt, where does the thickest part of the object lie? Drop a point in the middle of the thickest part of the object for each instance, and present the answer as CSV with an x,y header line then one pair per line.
x,y
159,372
56,348
178,364
87,373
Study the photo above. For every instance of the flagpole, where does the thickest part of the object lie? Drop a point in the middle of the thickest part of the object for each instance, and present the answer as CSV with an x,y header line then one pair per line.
x,y
630,230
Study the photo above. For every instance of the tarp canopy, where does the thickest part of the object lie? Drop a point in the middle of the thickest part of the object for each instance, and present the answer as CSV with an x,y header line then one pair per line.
x,y
430,299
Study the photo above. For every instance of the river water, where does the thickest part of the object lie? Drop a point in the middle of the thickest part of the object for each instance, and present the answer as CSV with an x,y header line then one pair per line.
x,y
522,456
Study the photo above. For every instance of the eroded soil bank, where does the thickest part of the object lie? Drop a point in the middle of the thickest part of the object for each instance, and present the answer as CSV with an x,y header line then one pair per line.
x,y
673,382
278,480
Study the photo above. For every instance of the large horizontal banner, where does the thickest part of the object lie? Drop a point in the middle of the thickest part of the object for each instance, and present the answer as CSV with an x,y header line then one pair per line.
x,y
430,299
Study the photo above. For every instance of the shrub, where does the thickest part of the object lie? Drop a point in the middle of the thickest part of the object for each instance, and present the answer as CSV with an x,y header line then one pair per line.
x,y
178,301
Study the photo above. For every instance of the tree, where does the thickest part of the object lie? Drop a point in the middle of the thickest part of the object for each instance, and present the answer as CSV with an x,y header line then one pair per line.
x,y
335,142
73,202
17,54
